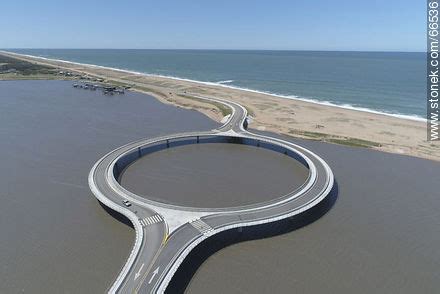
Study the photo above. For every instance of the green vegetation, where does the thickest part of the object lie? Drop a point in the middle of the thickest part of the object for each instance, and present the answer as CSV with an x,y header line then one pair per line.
x,y
354,142
311,135
249,111
146,89
335,139
223,109
16,67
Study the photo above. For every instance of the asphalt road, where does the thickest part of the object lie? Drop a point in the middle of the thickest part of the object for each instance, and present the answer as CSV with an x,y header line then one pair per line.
x,y
165,234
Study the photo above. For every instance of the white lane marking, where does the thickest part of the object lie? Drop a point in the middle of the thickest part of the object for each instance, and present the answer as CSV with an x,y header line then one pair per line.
x,y
136,275
151,220
156,271
201,226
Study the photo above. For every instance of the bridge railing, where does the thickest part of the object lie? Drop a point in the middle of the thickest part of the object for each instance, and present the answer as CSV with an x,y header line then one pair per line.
x,y
128,158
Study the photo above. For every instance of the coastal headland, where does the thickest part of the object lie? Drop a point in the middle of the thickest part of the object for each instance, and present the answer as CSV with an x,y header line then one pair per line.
x,y
291,117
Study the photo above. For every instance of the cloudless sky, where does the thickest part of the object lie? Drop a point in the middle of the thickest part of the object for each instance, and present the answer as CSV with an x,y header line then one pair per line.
x,y
376,25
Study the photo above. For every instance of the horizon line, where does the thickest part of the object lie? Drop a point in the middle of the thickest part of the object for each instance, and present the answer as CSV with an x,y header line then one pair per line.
x,y
211,49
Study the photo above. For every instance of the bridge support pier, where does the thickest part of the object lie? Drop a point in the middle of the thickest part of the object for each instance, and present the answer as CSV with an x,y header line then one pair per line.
x,y
198,139
168,143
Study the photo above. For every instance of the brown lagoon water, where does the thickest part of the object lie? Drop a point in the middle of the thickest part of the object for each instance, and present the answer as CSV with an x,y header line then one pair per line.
x,y
214,175
54,236
381,236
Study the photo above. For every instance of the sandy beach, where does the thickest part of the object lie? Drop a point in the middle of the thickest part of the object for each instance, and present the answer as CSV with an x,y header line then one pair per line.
x,y
291,117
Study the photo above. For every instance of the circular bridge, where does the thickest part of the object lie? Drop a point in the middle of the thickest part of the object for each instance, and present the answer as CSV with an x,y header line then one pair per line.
x,y
165,233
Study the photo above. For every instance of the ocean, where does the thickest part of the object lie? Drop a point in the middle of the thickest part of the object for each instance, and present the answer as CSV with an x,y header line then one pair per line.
x,y
385,82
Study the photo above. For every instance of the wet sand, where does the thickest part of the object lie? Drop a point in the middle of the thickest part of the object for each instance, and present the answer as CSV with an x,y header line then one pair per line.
x,y
55,237
214,175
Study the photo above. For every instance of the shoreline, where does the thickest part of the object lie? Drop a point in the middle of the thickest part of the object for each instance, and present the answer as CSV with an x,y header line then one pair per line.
x,y
224,84
289,116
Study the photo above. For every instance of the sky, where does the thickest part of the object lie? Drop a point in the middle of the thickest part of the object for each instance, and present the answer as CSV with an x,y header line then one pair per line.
x,y
358,25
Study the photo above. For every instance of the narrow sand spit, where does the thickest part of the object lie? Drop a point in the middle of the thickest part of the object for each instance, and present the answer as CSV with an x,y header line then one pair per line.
x,y
271,113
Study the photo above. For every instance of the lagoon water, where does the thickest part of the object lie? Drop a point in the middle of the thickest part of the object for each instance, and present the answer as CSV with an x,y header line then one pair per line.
x,y
214,175
389,82
54,235
381,236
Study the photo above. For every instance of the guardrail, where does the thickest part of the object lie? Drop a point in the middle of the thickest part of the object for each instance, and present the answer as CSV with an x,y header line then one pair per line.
x,y
124,155
133,219
132,154
183,253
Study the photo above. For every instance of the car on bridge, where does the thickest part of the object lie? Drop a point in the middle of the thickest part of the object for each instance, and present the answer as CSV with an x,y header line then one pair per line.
x,y
126,203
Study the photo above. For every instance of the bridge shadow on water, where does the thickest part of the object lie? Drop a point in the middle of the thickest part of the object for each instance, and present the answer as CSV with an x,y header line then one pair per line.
x,y
208,247
120,217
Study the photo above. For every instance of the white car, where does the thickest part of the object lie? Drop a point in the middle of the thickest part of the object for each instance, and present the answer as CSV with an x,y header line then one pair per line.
x,y
126,203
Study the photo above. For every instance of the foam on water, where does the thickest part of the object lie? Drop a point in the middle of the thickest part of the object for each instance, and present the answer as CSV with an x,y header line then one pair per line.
x,y
225,82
